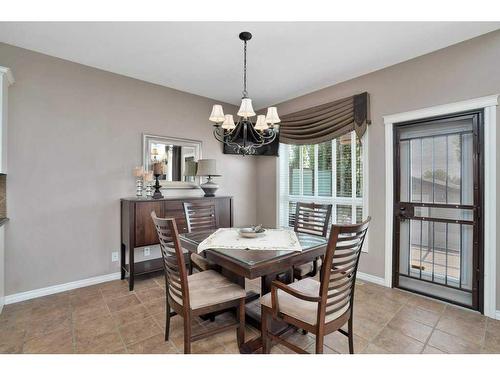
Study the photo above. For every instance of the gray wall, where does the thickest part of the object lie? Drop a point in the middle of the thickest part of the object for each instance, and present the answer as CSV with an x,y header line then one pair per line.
x,y
463,71
74,137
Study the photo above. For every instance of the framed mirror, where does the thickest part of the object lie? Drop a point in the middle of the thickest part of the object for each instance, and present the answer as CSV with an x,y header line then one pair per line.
x,y
177,156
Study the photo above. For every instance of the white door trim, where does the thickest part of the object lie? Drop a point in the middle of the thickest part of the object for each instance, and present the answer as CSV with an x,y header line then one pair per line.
x,y
489,104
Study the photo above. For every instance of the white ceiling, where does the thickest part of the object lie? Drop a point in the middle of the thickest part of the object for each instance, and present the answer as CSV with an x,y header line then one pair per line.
x,y
285,59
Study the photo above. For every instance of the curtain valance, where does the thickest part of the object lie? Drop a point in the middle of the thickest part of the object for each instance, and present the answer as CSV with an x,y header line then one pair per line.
x,y
327,121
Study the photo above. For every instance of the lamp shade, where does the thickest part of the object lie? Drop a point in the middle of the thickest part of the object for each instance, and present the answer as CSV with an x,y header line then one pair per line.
x,y
261,123
228,123
246,109
217,114
272,116
190,168
206,167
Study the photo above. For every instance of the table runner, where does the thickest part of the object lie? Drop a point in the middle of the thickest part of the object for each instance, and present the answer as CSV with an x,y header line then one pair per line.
x,y
272,239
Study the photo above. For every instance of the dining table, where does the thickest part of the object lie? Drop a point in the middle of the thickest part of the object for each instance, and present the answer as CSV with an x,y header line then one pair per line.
x,y
268,265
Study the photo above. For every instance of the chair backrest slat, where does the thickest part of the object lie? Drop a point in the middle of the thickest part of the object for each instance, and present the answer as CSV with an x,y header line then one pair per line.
x,y
200,215
338,273
312,218
173,260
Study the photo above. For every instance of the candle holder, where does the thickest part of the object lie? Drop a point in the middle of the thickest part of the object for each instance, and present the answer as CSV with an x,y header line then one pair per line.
x,y
138,187
157,194
149,189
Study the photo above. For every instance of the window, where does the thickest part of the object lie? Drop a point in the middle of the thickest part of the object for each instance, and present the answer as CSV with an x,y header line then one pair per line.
x,y
329,172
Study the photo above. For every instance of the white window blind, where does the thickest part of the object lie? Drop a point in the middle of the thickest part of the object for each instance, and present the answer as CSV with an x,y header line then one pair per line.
x,y
329,172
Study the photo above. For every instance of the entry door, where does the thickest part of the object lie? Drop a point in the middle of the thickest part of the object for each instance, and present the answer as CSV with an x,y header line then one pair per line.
x,y
437,210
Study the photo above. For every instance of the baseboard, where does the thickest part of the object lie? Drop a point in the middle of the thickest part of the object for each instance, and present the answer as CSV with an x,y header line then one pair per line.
x,y
370,278
497,315
23,296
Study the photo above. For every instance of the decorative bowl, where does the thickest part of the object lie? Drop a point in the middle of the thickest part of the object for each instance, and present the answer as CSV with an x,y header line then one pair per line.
x,y
251,232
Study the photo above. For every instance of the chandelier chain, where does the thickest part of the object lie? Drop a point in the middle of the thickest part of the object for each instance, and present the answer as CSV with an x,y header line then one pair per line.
x,y
245,93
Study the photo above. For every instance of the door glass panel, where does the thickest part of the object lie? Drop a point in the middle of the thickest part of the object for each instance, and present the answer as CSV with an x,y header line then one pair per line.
x,y
404,160
427,170
467,256
440,174
440,253
467,169
454,168
444,213
416,170
404,247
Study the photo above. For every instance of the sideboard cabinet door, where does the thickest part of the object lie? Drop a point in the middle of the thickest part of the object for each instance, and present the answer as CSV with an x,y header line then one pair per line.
x,y
145,231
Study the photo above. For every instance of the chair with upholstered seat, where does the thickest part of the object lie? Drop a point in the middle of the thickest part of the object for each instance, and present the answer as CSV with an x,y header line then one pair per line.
x,y
311,218
320,307
190,296
200,216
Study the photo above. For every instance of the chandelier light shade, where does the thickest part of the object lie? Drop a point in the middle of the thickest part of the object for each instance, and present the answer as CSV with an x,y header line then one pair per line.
x,y
244,137
228,123
261,123
272,116
217,114
246,108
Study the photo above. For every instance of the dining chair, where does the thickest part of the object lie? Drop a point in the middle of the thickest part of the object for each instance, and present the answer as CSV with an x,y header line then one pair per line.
x,y
200,216
311,218
202,293
320,307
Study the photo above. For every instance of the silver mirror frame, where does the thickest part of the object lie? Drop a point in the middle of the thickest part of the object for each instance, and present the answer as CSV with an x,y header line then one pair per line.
x,y
147,138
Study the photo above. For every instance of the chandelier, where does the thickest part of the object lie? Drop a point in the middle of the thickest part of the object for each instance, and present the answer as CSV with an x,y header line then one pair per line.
x,y
244,137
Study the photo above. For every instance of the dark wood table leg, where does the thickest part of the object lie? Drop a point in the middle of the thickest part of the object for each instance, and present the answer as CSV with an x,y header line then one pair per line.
x,y
253,317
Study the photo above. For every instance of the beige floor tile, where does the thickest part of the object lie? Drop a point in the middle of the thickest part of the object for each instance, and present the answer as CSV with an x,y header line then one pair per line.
x,y
491,343
139,330
420,315
90,312
411,328
131,314
374,349
156,306
467,330
452,344
326,350
426,304
339,343
88,329
122,303
395,342
11,339
431,350
48,324
104,343
153,345
146,295
56,342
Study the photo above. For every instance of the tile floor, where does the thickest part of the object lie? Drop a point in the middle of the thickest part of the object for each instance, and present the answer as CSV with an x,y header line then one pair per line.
x,y
107,318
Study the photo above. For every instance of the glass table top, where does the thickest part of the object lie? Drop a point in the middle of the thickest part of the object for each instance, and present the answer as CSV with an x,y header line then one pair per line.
x,y
252,257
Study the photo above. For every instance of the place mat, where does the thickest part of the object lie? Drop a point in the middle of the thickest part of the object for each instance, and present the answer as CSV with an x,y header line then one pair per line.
x,y
271,239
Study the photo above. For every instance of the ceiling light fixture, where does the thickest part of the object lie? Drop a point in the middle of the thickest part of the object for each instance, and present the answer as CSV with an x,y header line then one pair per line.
x,y
244,137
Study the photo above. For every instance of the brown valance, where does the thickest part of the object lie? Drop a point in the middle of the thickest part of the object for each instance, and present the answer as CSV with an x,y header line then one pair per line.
x,y
327,121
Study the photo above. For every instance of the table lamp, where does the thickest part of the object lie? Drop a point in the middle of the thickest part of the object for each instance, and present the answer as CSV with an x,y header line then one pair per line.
x,y
207,168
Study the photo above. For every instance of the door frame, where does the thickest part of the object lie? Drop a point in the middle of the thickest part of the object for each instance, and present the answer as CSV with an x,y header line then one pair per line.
x,y
489,105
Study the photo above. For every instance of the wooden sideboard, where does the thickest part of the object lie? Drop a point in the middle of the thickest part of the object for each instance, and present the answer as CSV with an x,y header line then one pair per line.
x,y
137,228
